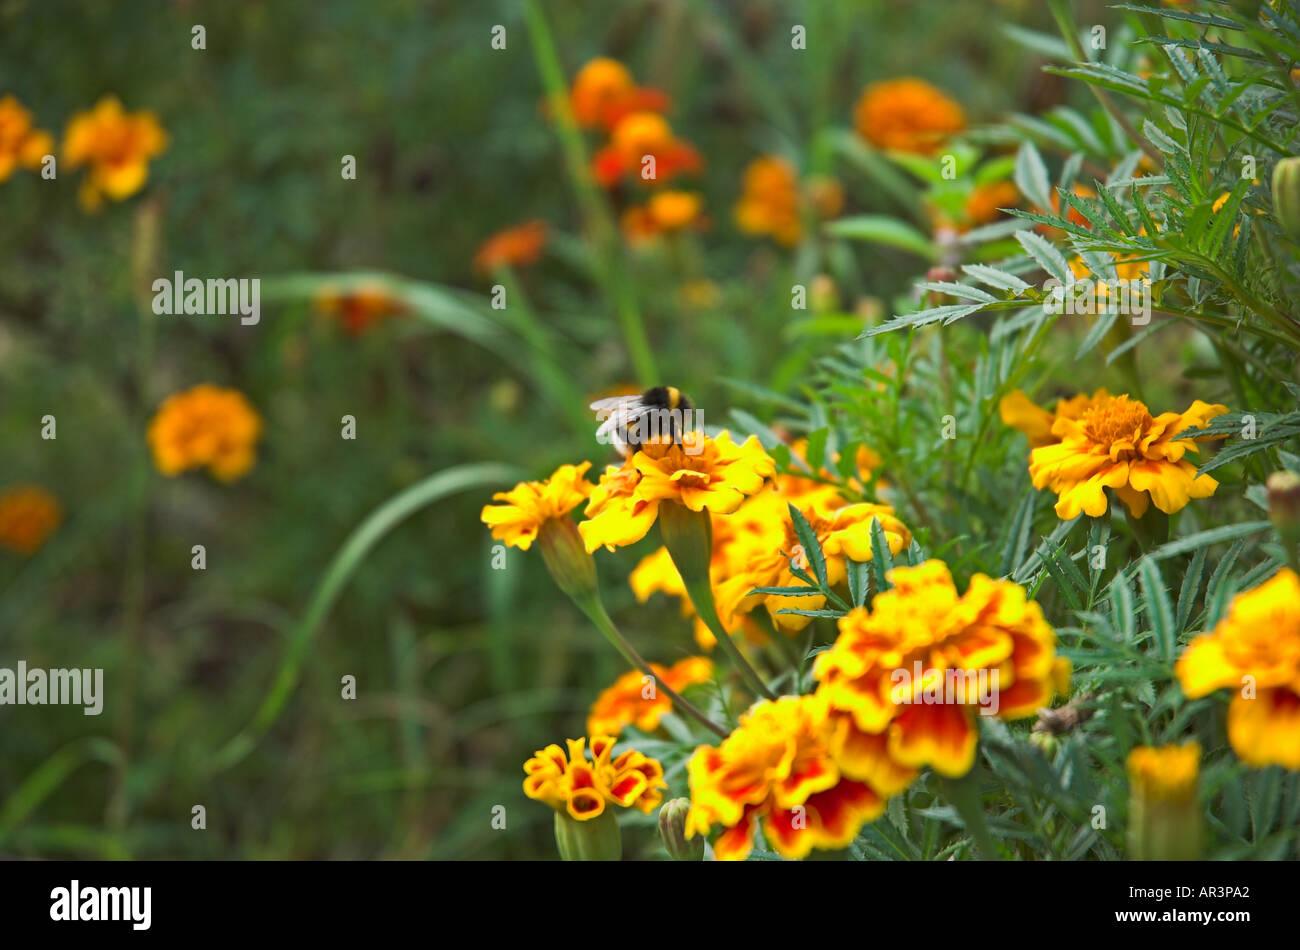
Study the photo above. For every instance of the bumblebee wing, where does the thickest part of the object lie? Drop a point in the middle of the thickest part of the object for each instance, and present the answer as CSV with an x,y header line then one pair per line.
x,y
620,418
614,402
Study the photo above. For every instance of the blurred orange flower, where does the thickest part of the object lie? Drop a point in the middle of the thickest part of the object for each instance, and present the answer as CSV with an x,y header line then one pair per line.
x,y
634,141
769,203
603,92
986,202
359,309
667,212
512,247
907,115
20,144
28,516
117,146
205,426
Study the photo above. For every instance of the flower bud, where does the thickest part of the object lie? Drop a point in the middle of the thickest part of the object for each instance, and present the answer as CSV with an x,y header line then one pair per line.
x,y
1284,502
672,829
1286,194
592,839
1164,812
566,557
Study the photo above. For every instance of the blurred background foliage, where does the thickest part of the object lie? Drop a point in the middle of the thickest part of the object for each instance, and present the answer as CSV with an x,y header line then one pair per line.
x,y
462,671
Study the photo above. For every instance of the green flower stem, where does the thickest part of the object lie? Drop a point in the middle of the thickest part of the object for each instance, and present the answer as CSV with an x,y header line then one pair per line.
x,y
596,613
965,797
600,221
595,839
688,535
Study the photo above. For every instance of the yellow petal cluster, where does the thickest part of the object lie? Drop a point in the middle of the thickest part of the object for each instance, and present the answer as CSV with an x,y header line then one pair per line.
x,y
529,505
1255,651
582,787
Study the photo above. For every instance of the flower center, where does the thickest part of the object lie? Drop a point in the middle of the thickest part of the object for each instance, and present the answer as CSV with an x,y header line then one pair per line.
x,y
1118,419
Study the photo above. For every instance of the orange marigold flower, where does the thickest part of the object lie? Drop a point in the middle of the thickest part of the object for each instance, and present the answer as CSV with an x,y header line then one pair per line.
x,y
635,698
636,138
512,247
1073,216
769,203
1116,443
986,202
1020,413
205,426
844,534
907,115
582,787
603,92
529,505
776,769
911,672
117,146
20,144
28,516
1254,650
667,212
359,309
706,474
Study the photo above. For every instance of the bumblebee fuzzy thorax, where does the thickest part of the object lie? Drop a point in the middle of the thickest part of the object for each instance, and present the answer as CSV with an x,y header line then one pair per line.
x,y
659,413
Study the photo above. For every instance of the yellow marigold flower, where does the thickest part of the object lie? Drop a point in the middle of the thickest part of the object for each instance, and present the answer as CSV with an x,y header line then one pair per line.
x,y
1255,650
117,146
1126,268
512,247
529,505
28,516
359,309
635,700
776,769
913,670
1020,413
844,534
582,787
205,426
20,144
709,474
769,203
604,92
1116,443
907,115
667,212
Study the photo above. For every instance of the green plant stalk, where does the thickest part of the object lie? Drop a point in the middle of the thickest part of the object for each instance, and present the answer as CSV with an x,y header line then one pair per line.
x,y
340,570
964,795
595,210
1065,23
546,367
688,535
594,608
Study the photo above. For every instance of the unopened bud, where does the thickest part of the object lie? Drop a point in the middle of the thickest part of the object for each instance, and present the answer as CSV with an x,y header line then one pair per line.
x,y
566,557
672,829
1164,813
1284,501
1286,194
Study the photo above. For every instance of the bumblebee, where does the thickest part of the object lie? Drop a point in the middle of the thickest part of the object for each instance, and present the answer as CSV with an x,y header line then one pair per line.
x,y
632,420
